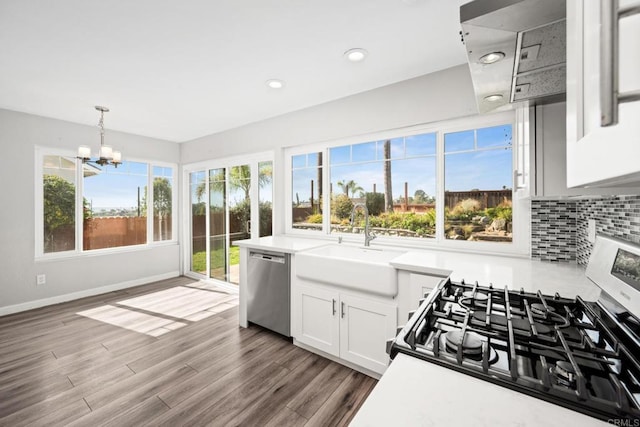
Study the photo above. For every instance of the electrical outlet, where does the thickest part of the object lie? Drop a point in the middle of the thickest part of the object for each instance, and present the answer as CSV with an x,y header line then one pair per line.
x,y
41,279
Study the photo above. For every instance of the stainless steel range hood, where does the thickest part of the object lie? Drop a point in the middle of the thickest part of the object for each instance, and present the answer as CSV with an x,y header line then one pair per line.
x,y
531,34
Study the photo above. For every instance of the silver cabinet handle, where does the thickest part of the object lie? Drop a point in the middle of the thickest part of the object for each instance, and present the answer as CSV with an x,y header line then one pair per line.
x,y
333,303
609,52
342,309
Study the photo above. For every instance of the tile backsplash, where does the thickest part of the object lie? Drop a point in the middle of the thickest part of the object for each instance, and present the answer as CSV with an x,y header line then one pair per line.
x,y
559,228
553,225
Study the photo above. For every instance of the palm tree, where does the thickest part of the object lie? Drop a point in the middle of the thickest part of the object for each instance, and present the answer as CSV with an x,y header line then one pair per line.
x,y
350,185
239,178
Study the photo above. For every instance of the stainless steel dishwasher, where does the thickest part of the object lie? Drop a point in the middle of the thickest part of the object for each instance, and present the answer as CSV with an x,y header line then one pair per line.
x,y
268,291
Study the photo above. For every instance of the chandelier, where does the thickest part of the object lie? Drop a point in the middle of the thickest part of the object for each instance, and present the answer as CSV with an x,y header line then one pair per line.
x,y
106,156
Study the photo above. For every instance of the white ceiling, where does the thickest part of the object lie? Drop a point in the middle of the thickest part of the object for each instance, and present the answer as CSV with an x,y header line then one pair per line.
x,y
182,69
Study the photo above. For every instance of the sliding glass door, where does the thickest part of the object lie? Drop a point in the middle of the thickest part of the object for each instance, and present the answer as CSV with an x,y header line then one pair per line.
x,y
223,206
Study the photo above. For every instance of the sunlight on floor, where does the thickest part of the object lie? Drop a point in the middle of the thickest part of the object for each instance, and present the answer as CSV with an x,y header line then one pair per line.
x,y
160,312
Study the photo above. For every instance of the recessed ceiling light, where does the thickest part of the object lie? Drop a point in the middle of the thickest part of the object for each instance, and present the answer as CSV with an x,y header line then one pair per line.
x,y
492,57
356,55
275,83
493,98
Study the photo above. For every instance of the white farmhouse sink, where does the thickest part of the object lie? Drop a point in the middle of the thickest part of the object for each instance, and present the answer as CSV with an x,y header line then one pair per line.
x,y
356,267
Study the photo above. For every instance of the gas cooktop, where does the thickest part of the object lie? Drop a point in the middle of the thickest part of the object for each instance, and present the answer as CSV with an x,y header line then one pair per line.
x,y
581,355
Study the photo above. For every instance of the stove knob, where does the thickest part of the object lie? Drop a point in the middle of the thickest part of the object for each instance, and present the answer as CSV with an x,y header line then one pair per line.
x,y
421,300
399,329
411,313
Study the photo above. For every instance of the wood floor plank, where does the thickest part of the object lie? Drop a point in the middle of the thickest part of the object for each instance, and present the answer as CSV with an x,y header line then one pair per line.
x,y
31,414
137,415
65,415
203,403
140,385
59,368
315,394
342,405
277,397
113,401
247,358
20,395
286,417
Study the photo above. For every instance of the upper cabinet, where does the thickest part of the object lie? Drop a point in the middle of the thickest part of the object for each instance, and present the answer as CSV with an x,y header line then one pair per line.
x,y
603,93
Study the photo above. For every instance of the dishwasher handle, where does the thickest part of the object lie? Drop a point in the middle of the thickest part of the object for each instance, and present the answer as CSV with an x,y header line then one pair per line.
x,y
280,259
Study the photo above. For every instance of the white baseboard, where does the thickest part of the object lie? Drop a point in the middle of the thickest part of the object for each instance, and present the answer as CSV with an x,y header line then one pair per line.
x,y
86,293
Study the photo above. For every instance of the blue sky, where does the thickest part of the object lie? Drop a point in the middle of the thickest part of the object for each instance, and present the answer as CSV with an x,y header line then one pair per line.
x,y
479,159
116,188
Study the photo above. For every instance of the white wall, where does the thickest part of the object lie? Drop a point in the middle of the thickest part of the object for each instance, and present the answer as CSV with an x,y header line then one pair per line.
x,y
434,97
442,95
78,276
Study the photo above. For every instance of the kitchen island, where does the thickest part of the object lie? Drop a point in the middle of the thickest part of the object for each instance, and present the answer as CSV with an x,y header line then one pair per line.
x,y
415,392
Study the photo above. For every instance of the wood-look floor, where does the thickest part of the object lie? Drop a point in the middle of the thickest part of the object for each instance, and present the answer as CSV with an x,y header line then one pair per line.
x,y
164,361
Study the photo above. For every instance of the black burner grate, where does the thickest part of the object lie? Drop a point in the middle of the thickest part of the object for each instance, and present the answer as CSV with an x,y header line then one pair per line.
x,y
558,349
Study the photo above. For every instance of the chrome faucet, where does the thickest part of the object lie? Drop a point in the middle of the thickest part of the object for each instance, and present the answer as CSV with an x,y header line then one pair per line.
x,y
368,235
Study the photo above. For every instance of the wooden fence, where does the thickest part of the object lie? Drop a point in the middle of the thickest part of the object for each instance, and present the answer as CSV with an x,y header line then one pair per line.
x,y
108,232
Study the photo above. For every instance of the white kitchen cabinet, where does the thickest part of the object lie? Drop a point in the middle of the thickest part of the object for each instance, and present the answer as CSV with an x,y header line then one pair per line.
x,y
365,327
551,155
351,327
412,287
315,318
601,155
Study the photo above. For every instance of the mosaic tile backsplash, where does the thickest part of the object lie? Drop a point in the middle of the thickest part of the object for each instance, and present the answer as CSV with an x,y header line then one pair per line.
x,y
559,228
553,230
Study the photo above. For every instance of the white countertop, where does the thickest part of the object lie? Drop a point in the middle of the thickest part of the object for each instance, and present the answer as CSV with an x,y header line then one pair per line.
x,y
413,392
568,279
280,243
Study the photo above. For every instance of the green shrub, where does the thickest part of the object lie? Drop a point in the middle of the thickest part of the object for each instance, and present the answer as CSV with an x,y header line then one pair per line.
x,y
419,223
464,210
314,219
375,203
499,211
341,206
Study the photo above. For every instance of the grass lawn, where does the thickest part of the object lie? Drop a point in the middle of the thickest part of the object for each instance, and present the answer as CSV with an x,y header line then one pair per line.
x,y
199,259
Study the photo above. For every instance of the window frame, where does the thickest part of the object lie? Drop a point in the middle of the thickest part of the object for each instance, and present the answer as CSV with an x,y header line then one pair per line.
x,y
520,243
41,152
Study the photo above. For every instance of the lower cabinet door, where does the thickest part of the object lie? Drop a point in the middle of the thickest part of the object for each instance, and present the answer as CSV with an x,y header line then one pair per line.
x,y
317,322
419,286
365,327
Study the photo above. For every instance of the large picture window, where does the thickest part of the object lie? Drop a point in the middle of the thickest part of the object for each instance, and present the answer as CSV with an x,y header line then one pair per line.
x,y
394,178
441,185
85,207
116,212
478,168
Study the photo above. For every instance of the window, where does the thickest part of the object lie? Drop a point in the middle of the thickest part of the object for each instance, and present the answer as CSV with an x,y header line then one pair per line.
x,y
116,211
444,185
265,198
478,167
162,203
59,204
306,181
84,207
395,179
